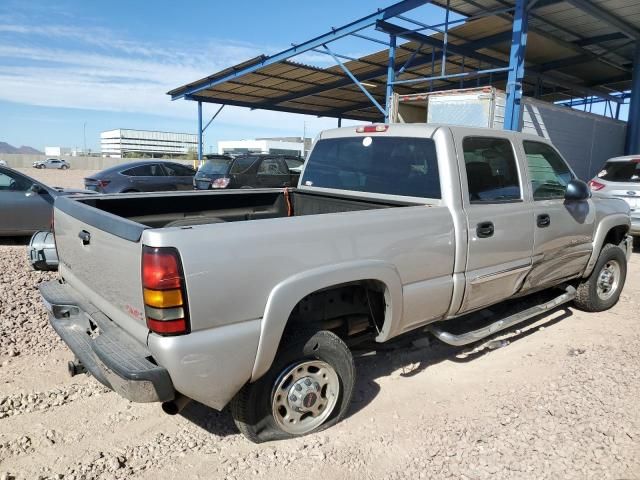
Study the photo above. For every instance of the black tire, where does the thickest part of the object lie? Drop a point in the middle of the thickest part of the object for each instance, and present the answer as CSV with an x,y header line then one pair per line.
x,y
65,167
252,407
587,296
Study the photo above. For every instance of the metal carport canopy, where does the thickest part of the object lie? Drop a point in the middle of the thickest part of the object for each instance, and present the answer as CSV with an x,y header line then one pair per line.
x,y
575,49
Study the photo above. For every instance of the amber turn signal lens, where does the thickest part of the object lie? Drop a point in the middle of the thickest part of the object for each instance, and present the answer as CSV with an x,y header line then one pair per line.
x,y
163,298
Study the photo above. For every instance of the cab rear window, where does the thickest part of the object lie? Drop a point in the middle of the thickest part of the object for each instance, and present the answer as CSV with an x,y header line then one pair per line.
x,y
385,165
621,171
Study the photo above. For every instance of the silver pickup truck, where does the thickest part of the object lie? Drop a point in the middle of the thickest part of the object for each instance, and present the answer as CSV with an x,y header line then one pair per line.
x,y
252,298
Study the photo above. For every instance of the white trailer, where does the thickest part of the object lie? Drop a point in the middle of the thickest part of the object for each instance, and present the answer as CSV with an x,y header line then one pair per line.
x,y
585,139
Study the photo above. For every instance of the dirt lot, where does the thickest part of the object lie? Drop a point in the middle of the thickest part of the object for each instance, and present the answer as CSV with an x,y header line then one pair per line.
x,y
561,400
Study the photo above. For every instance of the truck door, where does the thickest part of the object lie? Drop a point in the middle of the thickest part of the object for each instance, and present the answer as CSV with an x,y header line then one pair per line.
x,y
563,230
500,230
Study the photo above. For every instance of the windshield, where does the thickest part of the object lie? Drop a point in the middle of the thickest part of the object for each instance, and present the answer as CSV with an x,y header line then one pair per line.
x,y
387,165
625,171
216,166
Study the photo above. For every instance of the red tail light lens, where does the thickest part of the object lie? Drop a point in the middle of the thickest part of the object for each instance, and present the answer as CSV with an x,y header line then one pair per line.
x,y
165,299
103,183
596,185
372,129
220,183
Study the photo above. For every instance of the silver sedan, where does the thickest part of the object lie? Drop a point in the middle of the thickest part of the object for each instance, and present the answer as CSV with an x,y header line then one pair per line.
x,y
26,204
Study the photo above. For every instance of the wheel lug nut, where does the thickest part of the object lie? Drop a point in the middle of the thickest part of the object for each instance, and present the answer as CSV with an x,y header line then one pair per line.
x,y
293,398
316,386
307,382
298,387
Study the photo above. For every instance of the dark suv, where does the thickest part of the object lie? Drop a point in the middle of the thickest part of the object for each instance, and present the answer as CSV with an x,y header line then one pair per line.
x,y
248,171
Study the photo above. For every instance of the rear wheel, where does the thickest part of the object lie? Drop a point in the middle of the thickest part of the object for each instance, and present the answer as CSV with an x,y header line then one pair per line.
x,y
307,389
602,289
65,167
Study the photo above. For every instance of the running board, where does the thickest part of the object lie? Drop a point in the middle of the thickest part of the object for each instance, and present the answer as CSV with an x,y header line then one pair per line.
x,y
475,335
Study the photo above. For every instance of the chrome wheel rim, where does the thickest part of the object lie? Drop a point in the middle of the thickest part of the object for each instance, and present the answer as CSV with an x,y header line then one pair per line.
x,y
608,280
304,396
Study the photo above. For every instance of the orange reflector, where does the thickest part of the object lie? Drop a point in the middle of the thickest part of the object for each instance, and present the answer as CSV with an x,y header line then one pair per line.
x,y
163,298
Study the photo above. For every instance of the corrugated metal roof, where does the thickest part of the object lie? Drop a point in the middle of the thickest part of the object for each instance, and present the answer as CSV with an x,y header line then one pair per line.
x,y
568,51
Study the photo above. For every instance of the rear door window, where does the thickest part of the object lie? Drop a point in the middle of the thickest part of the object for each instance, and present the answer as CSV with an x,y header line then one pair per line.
x,y
175,170
492,172
621,171
242,164
386,165
149,170
548,172
216,166
271,166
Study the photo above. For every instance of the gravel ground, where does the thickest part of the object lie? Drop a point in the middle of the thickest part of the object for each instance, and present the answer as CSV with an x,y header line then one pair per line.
x,y
560,400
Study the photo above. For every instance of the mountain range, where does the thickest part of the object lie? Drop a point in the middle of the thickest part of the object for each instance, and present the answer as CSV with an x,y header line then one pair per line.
x,y
6,148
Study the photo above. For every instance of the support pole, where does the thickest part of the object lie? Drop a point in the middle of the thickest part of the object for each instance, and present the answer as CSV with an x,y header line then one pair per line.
x,y
632,144
391,76
200,132
513,110
339,122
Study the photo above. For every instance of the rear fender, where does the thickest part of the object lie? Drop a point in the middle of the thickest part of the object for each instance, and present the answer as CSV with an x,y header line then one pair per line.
x,y
286,295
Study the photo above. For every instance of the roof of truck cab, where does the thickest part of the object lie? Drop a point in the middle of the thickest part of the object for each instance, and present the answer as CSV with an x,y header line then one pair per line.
x,y
427,130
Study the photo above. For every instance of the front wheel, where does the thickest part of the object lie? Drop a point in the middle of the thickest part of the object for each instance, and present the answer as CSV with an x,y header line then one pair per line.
x,y
307,389
602,289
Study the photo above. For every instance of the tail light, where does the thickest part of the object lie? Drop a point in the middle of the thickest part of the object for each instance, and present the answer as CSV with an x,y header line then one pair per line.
x,y
220,182
103,183
596,185
372,128
165,299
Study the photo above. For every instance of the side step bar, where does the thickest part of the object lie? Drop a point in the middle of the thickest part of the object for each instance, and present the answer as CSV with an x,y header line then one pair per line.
x,y
475,335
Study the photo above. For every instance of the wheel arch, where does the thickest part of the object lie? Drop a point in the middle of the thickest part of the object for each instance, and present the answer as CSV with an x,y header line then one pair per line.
x,y
611,229
287,295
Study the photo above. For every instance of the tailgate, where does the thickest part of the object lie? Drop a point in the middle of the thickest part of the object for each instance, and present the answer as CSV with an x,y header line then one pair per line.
x,y
100,257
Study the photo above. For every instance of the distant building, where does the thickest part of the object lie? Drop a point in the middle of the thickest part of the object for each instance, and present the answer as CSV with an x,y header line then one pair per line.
x,y
281,145
118,143
56,151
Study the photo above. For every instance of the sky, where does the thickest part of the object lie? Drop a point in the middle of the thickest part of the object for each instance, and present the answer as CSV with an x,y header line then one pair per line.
x,y
70,69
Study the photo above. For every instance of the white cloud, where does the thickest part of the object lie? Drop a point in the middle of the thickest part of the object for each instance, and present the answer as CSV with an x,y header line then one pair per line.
x,y
103,72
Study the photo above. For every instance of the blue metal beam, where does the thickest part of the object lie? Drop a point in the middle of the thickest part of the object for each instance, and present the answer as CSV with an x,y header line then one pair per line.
x,y
213,118
600,39
200,131
513,107
355,80
334,34
632,144
419,61
391,76
453,75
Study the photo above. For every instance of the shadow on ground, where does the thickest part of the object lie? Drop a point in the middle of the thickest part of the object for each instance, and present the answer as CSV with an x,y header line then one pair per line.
x,y
405,357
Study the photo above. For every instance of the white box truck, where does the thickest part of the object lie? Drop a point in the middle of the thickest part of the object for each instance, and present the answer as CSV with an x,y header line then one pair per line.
x,y
585,139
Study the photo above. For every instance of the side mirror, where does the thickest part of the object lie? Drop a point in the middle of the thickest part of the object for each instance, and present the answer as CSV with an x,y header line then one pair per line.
x,y
34,190
577,190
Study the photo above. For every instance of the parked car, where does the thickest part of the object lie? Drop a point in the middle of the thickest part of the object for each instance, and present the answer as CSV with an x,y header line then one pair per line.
x,y
247,171
620,177
142,176
3,163
26,205
403,227
52,163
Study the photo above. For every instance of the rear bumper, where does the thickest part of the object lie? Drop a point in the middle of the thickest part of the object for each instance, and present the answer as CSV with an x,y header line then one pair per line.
x,y
112,356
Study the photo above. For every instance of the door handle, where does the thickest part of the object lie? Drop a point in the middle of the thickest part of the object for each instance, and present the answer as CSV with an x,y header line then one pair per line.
x,y
544,220
85,237
485,229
